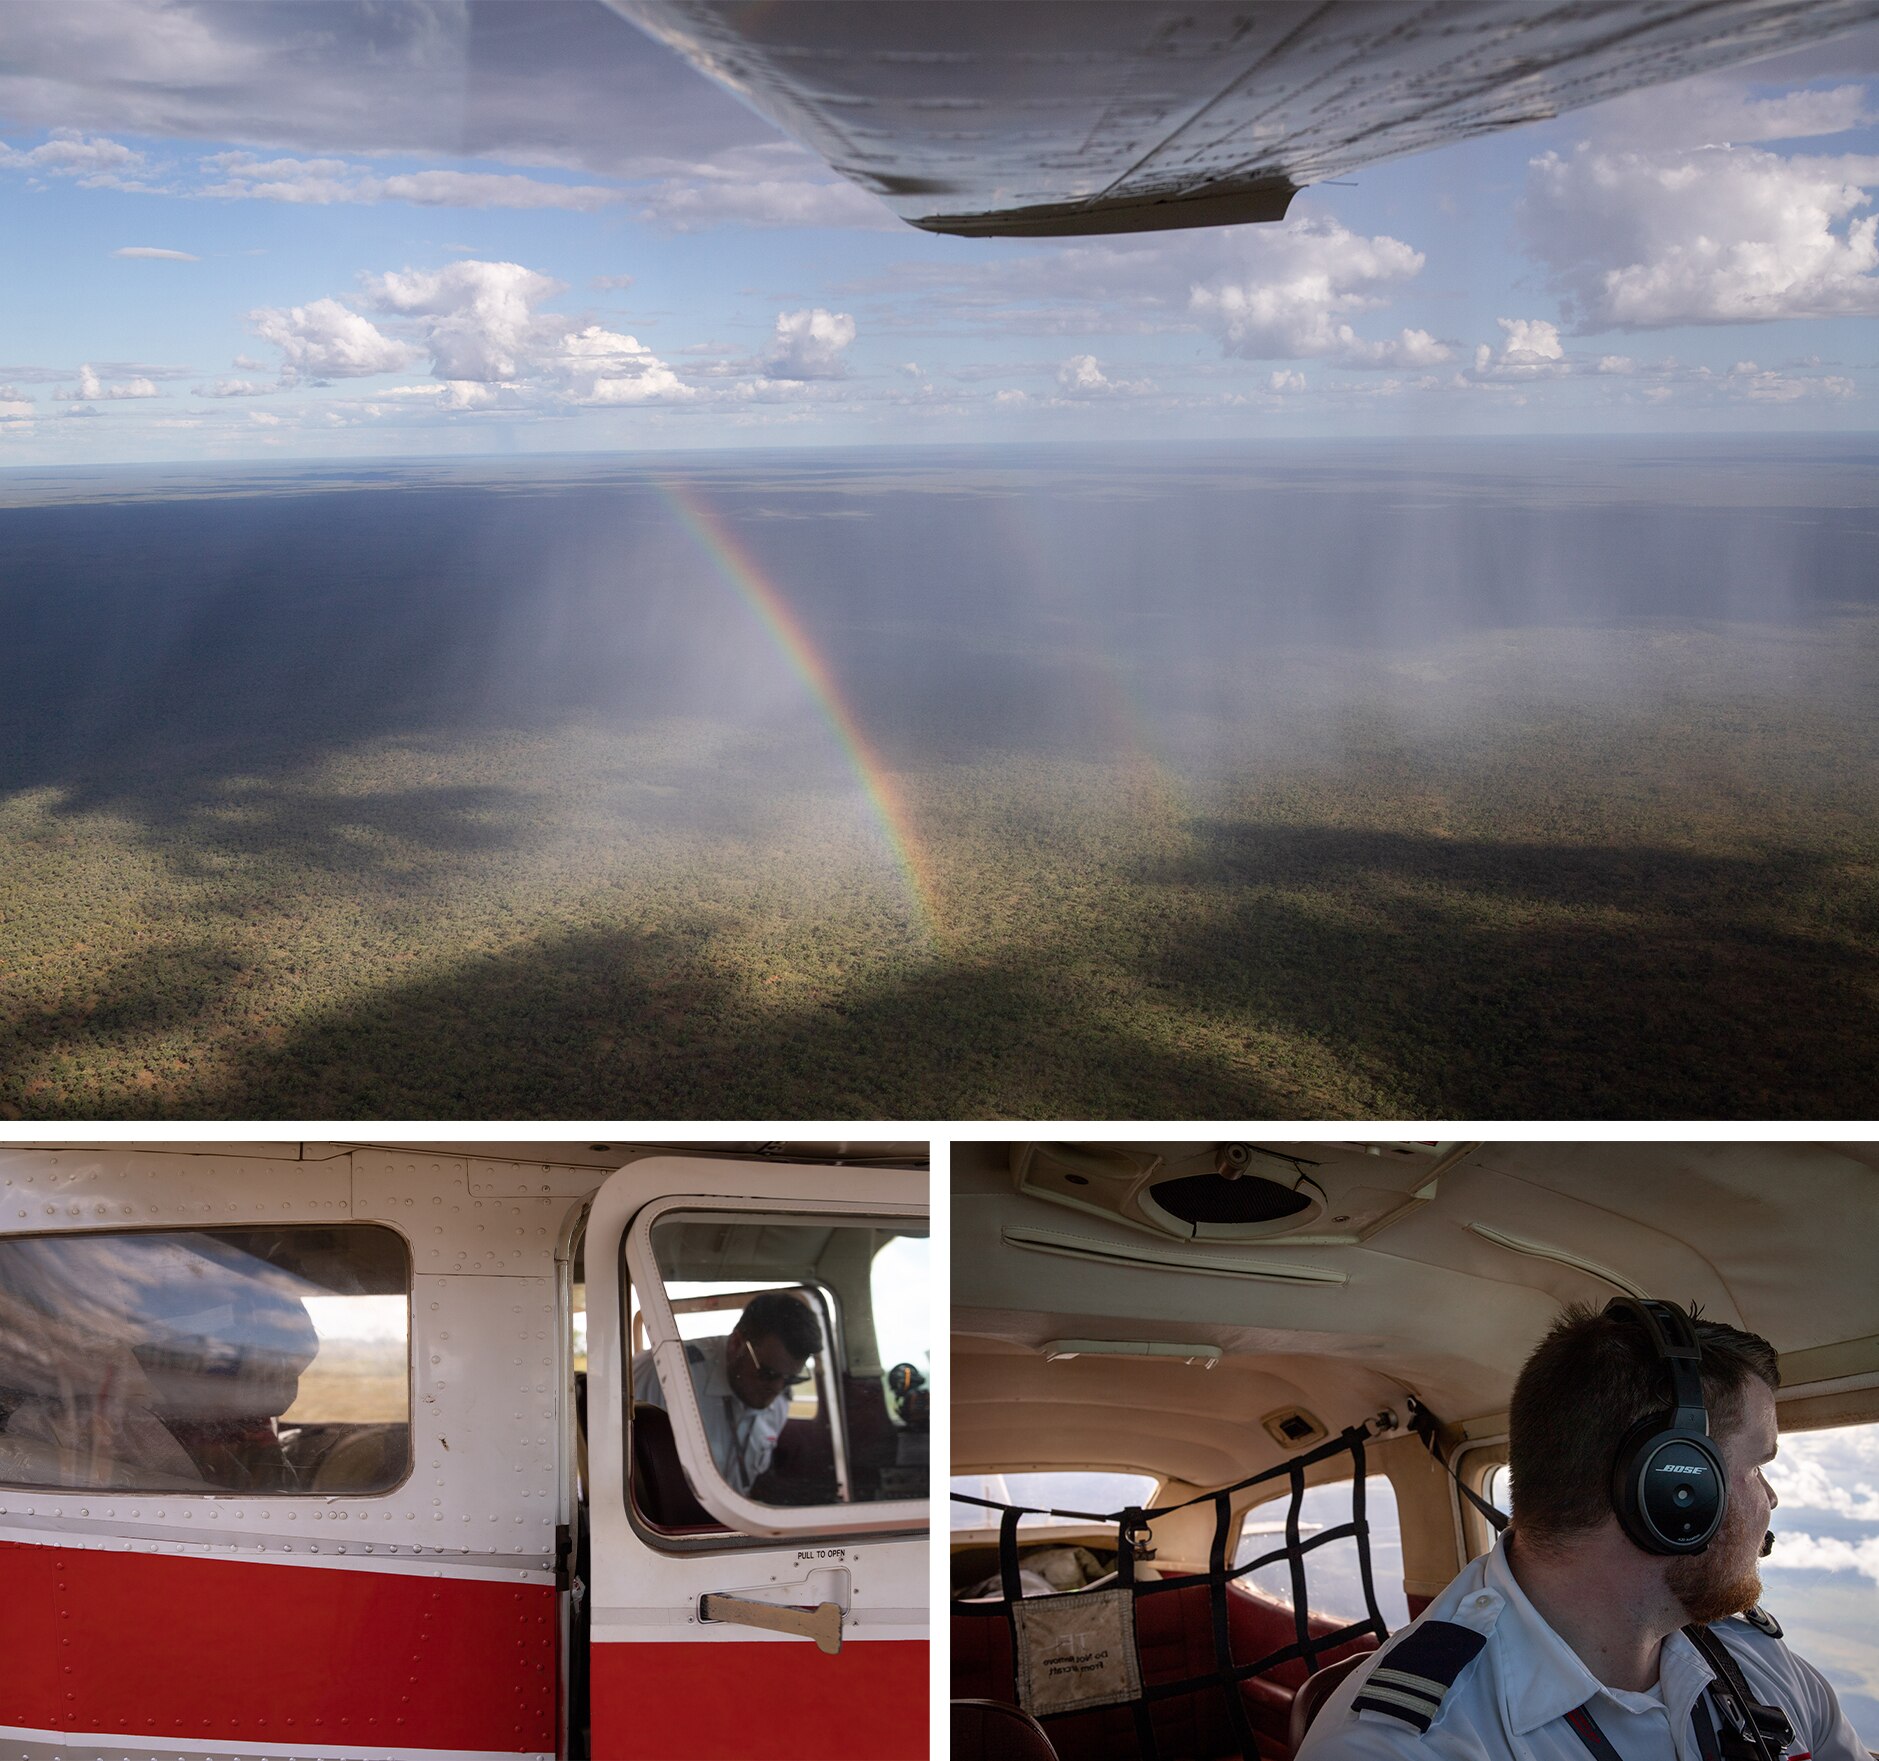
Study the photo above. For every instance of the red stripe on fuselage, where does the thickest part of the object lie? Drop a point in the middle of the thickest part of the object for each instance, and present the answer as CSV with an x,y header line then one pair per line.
x,y
780,1702
145,1644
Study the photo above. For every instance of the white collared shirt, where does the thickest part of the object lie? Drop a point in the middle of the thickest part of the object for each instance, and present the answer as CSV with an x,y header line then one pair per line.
x,y
1510,1703
742,1438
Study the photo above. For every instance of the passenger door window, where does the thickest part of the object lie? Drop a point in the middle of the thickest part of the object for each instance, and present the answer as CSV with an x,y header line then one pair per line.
x,y
779,1369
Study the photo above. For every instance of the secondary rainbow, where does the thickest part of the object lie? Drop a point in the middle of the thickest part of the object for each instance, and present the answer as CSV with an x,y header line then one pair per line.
x,y
786,630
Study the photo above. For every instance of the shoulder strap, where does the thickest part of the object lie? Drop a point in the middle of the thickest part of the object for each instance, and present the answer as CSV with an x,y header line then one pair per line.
x,y
1730,1690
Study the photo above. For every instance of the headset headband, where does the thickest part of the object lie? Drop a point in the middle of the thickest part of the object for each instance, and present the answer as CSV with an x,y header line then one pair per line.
x,y
1674,1336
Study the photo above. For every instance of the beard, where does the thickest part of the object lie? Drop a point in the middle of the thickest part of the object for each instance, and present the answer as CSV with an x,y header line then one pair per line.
x,y
1721,1582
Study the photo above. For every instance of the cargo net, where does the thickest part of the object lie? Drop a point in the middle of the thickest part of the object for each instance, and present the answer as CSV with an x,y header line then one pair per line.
x,y
1076,1650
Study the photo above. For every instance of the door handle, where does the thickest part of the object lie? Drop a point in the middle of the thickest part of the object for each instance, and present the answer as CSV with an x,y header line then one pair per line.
x,y
823,1623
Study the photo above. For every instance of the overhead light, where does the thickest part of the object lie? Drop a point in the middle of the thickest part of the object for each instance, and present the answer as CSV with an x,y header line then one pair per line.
x,y
1204,1356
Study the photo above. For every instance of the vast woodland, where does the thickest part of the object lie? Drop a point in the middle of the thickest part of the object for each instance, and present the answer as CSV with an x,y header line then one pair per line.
x,y
288,836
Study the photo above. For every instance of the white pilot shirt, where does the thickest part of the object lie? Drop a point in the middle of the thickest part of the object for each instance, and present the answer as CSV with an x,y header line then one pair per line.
x,y
1511,1700
742,1438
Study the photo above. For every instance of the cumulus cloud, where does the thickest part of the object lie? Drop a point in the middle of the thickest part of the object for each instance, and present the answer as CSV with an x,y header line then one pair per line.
x,y
325,340
91,389
486,336
1011,399
1082,376
1801,1552
1302,282
1285,379
809,345
235,388
156,252
1081,373
1530,349
477,319
1639,240
600,366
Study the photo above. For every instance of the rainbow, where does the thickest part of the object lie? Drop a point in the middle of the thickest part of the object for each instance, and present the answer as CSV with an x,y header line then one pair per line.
x,y
786,630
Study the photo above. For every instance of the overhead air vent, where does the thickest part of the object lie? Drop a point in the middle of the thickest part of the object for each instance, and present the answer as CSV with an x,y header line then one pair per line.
x,y
1212,1198
1204,1192
1292,1427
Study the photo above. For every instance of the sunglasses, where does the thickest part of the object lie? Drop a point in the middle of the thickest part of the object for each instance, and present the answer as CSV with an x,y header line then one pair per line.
x,y
773,1378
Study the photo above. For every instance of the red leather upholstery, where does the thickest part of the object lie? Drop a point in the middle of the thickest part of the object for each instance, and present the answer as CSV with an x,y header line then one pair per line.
x,y
661,1493
1174,1634
1315,1690
989,1730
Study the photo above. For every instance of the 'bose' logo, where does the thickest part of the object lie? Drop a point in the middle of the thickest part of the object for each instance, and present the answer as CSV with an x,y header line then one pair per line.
x,y
1670,1467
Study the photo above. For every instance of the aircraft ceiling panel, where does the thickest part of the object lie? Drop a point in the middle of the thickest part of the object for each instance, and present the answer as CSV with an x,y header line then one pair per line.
x,y
986,118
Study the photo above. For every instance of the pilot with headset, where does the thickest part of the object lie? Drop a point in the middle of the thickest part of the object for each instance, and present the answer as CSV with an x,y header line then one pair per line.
x,y
1599,1628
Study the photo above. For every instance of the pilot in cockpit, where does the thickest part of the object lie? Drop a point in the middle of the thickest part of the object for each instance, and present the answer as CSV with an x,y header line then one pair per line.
x,y
743,1382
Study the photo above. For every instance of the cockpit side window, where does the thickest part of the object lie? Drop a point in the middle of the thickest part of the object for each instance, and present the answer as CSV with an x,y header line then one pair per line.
x,y
803,1347
248,1362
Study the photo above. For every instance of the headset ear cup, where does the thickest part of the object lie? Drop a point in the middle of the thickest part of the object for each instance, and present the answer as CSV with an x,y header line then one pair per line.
x,y
1669,1489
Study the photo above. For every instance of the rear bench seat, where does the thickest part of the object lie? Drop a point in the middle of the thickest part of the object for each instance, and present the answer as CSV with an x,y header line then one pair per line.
x,y
1174,1634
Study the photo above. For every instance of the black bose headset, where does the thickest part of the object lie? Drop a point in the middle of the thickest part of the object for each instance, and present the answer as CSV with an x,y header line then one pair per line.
x,y
1669,1487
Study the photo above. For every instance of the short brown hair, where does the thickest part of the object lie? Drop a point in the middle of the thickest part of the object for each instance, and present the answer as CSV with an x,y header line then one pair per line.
x,y
1587,1383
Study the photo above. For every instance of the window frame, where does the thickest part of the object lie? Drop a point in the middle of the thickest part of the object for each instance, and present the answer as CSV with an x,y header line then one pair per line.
x,y
225,1494
745,1519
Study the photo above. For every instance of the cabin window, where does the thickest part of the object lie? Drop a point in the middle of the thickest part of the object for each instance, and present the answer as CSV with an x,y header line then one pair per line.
x,y
1333,1579
251,1362
805,1351
1100,1492
1821,1581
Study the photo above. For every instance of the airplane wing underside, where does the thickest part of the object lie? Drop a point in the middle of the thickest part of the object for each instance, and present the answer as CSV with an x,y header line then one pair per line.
x,y
990,118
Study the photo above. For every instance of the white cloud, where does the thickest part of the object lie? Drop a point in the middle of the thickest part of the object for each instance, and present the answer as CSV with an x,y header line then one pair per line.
x,y
95,161
1082,376
156,252
600,366
1720,108
1723,236
1285,379
325,340
487,340
476,318
91,388
235,388
245,177
1301,281
1081,373
265,419
809,345
1827,1553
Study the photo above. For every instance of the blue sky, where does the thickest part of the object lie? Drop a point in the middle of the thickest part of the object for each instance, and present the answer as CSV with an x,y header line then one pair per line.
x,y
332,230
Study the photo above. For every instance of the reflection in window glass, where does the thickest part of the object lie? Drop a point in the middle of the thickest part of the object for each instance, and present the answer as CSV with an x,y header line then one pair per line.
x,y
1333,1581
255,1361
1822,1580
786,1330
1099,1492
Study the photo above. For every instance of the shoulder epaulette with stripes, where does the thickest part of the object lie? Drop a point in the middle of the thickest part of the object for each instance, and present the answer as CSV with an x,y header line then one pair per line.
x,y
1414,1674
